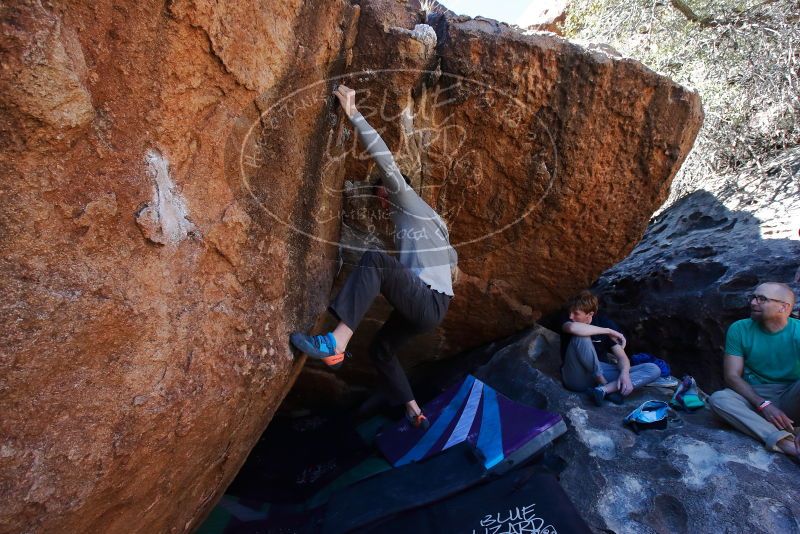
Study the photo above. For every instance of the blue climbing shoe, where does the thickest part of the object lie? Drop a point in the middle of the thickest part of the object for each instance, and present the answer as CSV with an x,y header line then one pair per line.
x,y
319,347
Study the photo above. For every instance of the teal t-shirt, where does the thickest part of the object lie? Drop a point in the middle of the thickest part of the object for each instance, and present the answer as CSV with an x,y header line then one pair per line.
x,y
768,358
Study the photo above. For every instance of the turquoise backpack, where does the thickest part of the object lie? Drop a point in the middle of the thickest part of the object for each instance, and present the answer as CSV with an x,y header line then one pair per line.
x,y
687,396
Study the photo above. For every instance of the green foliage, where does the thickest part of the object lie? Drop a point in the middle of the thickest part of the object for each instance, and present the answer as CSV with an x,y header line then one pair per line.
x,y
743,57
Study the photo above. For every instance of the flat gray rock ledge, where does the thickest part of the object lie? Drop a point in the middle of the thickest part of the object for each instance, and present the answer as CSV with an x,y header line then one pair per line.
x,y
698,475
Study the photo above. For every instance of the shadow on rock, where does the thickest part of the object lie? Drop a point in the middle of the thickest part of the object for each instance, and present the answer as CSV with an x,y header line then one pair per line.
x,y
689,277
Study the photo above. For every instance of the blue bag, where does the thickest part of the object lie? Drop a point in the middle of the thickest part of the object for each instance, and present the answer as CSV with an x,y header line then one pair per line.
x,y
648,416
643,357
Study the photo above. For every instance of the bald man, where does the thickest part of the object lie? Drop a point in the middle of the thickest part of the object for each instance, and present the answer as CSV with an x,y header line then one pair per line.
x,y
762,370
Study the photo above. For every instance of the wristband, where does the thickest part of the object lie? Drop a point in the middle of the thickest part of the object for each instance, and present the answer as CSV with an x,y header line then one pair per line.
x,y
763,405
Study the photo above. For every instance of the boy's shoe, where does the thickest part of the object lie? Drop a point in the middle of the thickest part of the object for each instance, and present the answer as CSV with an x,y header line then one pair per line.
x,y
419,421
664,382
320,348
615,397
597,394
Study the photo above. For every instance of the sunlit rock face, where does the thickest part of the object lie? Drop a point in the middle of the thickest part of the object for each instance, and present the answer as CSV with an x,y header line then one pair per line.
x,y
689,277
147,295
171,211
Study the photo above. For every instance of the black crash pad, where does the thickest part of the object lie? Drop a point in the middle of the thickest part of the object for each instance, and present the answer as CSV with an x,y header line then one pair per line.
x,y
519,502
401,489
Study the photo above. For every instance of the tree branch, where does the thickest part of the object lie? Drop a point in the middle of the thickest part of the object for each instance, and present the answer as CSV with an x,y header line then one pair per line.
x,y
687,11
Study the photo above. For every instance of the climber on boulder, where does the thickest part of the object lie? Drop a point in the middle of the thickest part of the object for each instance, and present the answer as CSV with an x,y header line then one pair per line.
x,y
762,371
417,283
587,341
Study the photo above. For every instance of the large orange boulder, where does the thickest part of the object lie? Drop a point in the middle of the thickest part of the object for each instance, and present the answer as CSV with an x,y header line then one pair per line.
x,y
147,295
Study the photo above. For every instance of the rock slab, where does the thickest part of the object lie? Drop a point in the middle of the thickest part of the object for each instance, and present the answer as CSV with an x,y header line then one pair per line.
x,y
689,277
698,475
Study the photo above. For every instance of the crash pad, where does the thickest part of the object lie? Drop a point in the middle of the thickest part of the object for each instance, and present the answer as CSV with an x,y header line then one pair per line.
x,y
505,432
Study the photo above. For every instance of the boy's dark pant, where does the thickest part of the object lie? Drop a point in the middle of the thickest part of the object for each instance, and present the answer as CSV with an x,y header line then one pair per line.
x,y
417,309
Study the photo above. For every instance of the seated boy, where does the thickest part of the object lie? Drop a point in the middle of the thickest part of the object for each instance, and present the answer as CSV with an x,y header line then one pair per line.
x,y
587,341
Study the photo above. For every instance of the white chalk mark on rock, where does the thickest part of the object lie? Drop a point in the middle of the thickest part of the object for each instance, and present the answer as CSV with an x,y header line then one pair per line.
x,y
618,507
599,443
424,34
164,220
703,461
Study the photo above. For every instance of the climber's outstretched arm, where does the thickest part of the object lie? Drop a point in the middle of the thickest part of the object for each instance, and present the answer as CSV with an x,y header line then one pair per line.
x,y
393,180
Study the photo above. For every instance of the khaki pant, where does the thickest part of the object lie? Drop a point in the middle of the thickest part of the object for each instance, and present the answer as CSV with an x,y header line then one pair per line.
x,y
738,412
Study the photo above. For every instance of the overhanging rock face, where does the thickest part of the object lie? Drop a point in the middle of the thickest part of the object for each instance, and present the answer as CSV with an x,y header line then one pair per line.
x,y
546,160
171,212
587,154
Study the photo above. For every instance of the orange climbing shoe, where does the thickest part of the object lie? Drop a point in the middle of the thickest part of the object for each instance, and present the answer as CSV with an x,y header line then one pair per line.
x,y
419,421
335,361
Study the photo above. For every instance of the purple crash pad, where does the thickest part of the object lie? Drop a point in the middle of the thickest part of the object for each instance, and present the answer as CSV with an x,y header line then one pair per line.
x,y
504,431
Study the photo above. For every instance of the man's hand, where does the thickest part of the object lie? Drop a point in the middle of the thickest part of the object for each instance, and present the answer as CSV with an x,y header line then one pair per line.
x,y
347,98
616,336
455,274
775,415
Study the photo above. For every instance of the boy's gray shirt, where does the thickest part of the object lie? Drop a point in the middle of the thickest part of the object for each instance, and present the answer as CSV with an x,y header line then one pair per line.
x,y
421,236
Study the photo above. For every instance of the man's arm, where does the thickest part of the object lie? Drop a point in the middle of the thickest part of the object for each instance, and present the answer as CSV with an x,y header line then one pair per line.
x,y
376,147
733,367
585,330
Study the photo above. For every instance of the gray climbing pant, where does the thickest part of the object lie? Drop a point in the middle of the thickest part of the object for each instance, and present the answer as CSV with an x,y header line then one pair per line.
x,y
417,309
582,367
